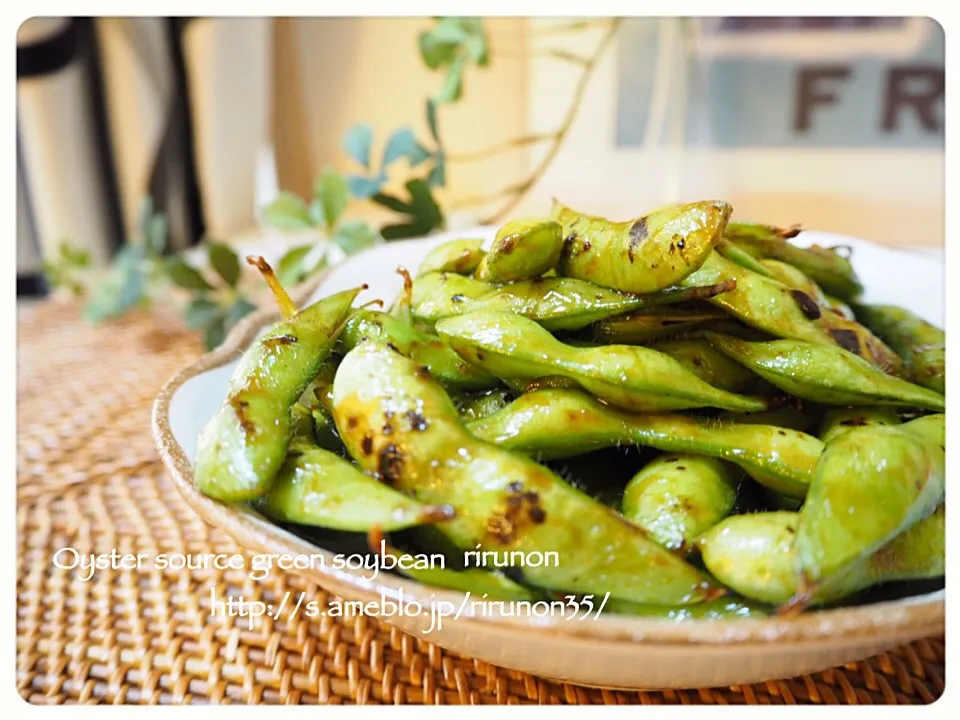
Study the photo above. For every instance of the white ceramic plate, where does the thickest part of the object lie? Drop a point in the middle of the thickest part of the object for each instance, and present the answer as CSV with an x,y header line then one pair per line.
x,y
613,651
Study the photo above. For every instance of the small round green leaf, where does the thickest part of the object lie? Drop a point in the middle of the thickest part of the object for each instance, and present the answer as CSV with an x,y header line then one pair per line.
x,y
357,142
225,261
184,275
287,212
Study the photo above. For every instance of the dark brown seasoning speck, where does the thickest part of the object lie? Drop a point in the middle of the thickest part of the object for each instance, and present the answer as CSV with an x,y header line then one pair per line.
x,y
391,464
280,340
854,421
352,422
808,306
240,408
847,339
417,421
366,445
638,233
681,244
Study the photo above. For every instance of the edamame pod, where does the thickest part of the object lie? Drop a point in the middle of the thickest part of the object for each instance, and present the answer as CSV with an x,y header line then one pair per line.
x,y
629,376
870,484
318,488
422,347
931,427
397,421
737,229
920,344
824,374
644,255
677,497
735,254
826,267
786,312
522,250
837,421
242,447
793,277
555,424
710,365
653,324
756,556
456,256
555,303
790,416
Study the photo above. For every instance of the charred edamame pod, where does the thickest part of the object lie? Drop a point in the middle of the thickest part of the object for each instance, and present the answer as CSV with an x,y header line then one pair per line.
x,y
824,373
422,347
921,345
456,256
677,497
522,250
653,324
756,556
871,484
555,303
318,488
837,421
825,266
243,446
554,424
397,421
931,427
644,255
786,312
710,365
633,377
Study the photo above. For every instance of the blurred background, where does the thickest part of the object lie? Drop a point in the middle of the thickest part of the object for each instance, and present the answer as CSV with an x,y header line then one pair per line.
x,y
262,130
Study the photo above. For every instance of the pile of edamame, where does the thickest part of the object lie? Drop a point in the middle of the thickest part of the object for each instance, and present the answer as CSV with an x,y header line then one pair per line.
x,y
791,438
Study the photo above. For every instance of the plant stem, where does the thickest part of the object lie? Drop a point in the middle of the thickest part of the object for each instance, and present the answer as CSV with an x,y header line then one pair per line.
x,y
502,147
522,188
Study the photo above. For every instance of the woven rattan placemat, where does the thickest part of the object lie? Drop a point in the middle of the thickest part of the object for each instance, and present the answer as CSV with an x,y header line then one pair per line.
x,y
88,477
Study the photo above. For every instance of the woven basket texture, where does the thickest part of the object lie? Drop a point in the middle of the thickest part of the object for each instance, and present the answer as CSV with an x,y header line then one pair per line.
x,y
88,477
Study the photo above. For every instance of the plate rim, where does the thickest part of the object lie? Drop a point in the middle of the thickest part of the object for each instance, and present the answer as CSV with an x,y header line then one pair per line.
x,y
912,617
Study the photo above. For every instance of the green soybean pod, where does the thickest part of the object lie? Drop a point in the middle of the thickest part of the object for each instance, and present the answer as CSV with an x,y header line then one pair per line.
x,y
871,484
643,255
522,250
677,497
837,421
824,373
242,447
755,555
931,427
920,344
710,365
456,256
